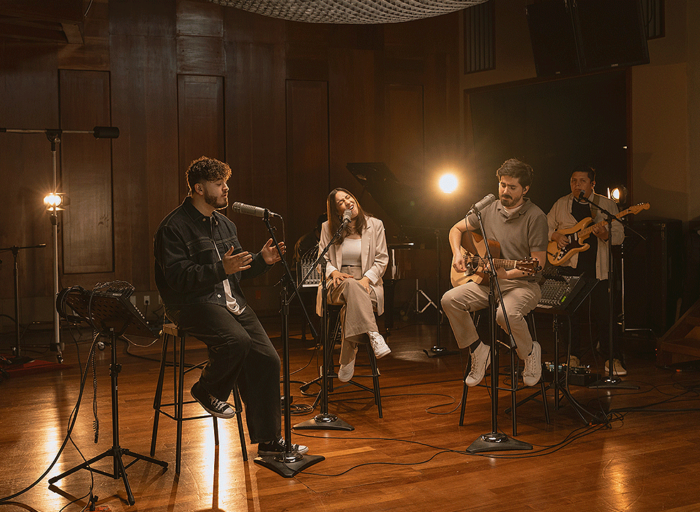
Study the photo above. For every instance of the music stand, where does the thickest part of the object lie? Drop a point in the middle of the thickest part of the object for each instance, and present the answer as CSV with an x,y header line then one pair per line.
x,y
111,314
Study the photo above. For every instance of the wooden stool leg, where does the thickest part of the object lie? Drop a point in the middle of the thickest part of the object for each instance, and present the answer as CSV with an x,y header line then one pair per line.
x,y
239,419
465,390
159,393
375,379
179,403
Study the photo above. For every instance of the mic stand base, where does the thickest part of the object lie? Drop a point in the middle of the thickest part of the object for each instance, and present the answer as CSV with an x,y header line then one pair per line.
x,y
497,442
324,421
288,464
438,351
612,383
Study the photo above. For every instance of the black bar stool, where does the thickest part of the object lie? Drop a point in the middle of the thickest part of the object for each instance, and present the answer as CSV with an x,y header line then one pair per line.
x,y
179,336
514,386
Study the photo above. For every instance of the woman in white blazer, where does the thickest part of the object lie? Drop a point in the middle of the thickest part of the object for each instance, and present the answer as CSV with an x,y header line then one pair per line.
x,y
355,265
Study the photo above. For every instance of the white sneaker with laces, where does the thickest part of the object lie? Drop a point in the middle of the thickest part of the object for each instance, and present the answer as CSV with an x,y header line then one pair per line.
x,y
379,346
480,361
533,365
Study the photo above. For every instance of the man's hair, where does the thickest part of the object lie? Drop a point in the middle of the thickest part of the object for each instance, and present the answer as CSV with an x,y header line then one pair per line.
x,y
516,169
206,169
587,169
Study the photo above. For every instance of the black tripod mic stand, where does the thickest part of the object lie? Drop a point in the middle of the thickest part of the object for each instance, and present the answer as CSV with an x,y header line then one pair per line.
x,y
324,420
495,440
289,462
610,381
111,312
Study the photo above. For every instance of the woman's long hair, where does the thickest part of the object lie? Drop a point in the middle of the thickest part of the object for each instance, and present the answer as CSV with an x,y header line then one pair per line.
x,y
335,219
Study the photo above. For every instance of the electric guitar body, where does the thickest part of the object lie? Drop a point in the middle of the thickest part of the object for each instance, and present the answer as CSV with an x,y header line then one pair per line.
x,y
579,233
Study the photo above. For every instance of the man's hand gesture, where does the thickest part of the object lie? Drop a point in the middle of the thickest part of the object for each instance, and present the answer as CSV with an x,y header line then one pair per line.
x,y
270,254
236,262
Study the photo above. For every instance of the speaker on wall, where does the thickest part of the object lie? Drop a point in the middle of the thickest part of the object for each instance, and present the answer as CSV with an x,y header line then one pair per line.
x,y
576,36
611,33
553,38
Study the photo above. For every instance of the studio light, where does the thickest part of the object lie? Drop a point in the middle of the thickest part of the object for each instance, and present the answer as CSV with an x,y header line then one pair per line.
x,y
56,201
618,194
448,183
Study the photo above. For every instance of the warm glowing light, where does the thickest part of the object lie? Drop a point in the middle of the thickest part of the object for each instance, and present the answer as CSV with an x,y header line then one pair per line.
x,y
448,183
618,194
55,201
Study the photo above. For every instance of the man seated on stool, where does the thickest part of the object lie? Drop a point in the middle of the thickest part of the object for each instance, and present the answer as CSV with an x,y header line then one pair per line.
x,y
199,263
520,228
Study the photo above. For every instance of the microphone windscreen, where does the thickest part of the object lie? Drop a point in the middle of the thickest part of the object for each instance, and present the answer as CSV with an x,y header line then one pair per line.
x,y
347,215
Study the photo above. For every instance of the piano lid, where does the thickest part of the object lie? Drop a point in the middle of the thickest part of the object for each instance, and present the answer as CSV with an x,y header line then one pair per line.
x,y
411,208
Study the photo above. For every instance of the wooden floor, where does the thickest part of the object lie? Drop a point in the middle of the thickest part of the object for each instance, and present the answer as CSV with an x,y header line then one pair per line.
x,y
412,459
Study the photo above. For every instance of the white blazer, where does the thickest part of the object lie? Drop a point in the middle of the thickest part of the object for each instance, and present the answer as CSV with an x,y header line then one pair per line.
x,y
374,257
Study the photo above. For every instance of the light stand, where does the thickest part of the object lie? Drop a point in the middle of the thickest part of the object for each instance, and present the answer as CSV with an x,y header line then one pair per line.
x,y
17,349
54,137
495,440
287,463
438,350
324,420
610,381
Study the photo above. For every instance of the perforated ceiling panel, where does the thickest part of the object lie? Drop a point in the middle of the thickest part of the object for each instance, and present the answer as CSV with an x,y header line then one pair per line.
x,y
350,11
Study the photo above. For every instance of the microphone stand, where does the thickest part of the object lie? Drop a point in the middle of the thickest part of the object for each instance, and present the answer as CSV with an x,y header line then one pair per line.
x,y
17,349
287,463
495,440
324,420
610,381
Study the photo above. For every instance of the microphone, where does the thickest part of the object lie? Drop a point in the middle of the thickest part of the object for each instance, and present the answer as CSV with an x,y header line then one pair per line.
x,y
482,204
255,211
347,216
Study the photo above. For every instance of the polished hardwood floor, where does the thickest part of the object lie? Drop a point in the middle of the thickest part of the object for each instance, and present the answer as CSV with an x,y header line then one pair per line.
x,y
645,457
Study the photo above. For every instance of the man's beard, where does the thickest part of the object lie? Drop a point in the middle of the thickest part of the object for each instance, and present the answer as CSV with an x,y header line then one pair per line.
x,y
507,201
218,203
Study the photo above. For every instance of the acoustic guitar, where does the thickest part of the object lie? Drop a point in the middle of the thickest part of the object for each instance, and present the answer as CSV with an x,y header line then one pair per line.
x,y
474,250
579,233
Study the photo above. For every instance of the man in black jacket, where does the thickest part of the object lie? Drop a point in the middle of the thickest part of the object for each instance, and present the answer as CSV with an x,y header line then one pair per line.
x,y
199,265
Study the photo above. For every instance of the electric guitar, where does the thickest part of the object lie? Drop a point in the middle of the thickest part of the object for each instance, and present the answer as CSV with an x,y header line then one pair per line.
x,y
578,234
476,264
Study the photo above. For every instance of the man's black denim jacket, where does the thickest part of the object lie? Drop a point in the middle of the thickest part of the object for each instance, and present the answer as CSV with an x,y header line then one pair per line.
x,y
188,269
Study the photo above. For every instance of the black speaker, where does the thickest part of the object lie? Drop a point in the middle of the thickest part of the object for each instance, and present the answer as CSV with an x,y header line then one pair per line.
x,y
654,274
610,33
553,38
578,36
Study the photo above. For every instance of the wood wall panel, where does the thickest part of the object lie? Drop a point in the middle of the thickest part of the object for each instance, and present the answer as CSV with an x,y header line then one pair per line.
x,y
307,155
200,120
93,54
87,235
29,92
144,107
405,132
255,136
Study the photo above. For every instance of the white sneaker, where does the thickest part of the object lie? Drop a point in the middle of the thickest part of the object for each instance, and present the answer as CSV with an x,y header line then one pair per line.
x,y
480,360
346,371
618,369
378,345
533,365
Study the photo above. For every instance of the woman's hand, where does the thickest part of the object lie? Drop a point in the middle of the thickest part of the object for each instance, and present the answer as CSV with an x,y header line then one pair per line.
x,y
365,283
338,277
